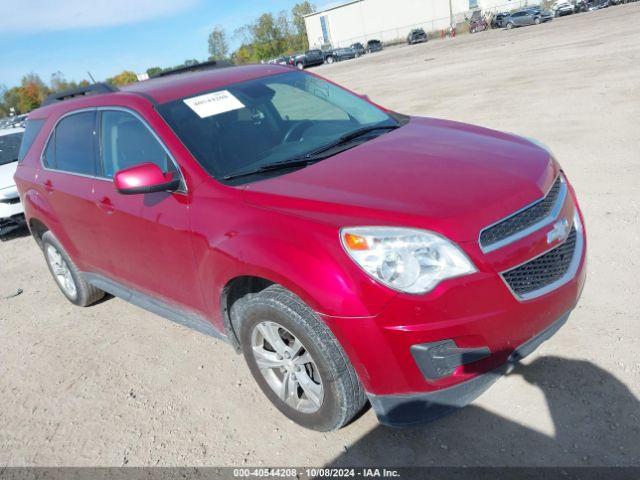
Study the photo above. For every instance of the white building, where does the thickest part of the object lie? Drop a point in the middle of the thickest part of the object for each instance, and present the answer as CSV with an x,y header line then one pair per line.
x,y
391,20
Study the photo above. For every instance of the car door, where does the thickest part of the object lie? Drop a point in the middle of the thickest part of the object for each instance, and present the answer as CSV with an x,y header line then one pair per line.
x,y
66,183
146,236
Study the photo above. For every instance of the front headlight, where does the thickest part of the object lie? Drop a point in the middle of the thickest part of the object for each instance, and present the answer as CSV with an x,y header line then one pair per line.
x,y
405,259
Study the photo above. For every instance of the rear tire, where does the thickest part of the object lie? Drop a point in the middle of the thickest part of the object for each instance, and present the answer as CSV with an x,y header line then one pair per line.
x,y
303,349
69,280
509,26
300,66
330,60
537,21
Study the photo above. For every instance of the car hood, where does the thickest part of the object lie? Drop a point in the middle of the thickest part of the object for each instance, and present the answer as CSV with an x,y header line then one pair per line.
x,y
445,176
6,174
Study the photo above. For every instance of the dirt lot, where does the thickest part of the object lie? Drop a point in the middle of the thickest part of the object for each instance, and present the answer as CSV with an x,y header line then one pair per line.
x,y
114,385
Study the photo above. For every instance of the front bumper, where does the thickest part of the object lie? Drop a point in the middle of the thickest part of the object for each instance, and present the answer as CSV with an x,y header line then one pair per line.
x,y
411,409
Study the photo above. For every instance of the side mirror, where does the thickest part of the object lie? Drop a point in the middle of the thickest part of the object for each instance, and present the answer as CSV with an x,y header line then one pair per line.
x,y
144,178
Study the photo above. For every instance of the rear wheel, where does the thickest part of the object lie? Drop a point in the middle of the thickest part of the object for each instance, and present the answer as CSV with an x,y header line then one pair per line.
x,y
66,274
300,65
509,26
330,59
296,360
537,21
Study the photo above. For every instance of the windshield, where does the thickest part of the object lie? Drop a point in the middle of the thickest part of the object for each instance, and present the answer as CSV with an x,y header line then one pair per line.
x,y
268,120
9,147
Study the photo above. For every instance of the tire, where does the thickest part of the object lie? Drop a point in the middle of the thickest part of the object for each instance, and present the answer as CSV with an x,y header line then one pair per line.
x,y
536,21
509,26
357,55
66,275
338,394
330,59
300,66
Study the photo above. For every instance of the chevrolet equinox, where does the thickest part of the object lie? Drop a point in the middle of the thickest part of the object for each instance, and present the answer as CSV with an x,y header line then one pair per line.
x,y
351,253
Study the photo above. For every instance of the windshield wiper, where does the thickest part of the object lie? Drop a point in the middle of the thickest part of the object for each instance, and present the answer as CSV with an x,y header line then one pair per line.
x,y
347,137
271,167
312,157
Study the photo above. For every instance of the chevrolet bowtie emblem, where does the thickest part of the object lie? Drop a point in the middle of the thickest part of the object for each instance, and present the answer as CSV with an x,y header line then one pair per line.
x,y
560,231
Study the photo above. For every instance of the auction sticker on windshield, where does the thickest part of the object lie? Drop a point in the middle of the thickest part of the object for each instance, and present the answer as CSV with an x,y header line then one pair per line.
x,y
214,103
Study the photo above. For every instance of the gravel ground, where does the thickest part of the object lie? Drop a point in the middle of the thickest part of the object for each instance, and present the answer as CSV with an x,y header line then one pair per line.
x,y
114,385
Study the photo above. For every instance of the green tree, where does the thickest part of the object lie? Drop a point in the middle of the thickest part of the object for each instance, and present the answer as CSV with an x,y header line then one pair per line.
x,y
4,110
153,71
218,45
298,12
123,78
58,82
11,99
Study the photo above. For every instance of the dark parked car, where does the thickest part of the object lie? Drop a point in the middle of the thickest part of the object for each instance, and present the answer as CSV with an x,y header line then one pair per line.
x,y
307,59
526,17
498,20
374,46
597,4
417,35
358,47
545,14
478,25
339,54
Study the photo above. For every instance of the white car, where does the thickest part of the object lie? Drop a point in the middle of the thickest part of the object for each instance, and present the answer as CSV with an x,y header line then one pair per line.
x,y
562,8
11,211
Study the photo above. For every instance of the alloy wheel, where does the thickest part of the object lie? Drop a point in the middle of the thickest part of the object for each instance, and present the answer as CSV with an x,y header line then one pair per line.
x,y
61,271
287,366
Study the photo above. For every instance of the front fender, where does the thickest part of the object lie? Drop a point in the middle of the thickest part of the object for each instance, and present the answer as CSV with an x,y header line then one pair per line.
x,y
303,256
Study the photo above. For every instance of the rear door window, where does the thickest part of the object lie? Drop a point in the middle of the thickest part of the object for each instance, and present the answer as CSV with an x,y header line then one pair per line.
x,y
71,148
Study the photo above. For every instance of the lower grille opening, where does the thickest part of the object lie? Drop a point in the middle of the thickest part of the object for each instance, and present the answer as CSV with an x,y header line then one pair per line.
x,y
543,270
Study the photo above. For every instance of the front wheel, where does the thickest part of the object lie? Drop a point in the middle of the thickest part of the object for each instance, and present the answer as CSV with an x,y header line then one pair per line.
x,y
537,21
509,26
330,59
296,360
300,65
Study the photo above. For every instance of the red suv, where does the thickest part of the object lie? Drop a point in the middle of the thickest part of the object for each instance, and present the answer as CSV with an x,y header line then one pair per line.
x,y
351,253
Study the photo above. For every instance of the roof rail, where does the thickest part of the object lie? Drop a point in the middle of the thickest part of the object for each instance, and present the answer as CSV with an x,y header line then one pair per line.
x,y
194,68
94,88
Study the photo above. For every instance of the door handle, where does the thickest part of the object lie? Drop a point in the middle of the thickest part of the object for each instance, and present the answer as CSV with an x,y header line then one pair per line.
x,y
106,205
48,186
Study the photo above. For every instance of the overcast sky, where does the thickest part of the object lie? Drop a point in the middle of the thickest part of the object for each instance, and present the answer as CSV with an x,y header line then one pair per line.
x,y
108,36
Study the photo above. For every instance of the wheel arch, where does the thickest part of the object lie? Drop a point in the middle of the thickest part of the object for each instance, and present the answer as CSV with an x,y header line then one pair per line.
x,y
37,229
234,290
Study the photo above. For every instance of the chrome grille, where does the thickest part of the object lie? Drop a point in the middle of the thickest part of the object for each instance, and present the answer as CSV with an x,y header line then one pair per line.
x,y
515,226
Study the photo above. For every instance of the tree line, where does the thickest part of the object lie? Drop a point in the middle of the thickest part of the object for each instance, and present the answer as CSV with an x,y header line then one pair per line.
x,y
268,36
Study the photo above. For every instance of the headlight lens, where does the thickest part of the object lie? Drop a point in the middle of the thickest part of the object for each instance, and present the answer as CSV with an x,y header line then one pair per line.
x,y
405,259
